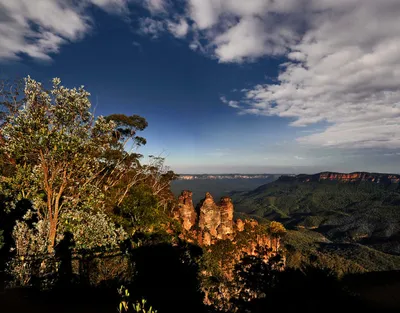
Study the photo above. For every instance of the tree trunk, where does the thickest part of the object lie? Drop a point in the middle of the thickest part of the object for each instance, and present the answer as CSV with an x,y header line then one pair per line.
x,y
52,235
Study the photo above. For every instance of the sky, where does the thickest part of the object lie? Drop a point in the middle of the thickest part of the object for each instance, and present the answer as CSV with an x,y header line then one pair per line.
x,y
255,86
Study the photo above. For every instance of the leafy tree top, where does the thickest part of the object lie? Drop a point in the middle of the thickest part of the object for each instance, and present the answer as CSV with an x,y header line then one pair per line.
x,y
62,157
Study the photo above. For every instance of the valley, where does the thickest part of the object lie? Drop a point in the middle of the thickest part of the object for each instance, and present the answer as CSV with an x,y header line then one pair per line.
x,y
354,219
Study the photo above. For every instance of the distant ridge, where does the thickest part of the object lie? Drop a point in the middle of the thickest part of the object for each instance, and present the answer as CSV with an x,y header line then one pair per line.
x,y
226,176
344,177
358,208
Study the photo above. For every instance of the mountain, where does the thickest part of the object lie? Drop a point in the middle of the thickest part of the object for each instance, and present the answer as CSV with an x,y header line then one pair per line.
x,y
338,213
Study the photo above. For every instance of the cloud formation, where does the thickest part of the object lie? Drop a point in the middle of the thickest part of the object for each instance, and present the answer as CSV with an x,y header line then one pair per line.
x,y
342,63
239,31
156,6
341,57
39,28
344,71
151,27
179,29
231,103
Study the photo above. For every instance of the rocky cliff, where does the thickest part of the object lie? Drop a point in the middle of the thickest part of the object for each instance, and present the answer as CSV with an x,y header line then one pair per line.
x,y
225,242
214,221
185,212
225,228
346,177
210,216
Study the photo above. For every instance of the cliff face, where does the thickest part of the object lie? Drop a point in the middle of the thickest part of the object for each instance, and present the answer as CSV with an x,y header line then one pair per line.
x,y
224,242
185,212
210,216
347,177
225,228
215,222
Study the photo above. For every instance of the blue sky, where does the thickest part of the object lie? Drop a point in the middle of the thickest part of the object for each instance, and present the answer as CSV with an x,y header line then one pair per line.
x,y
227,86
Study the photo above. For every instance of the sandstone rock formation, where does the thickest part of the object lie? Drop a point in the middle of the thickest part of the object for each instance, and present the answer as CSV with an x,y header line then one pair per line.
x,y
210,215
225,228
239,225
215,222
224,241
185,212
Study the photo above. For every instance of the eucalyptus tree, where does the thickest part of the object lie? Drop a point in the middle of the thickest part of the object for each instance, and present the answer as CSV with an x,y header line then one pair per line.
x,y
64,159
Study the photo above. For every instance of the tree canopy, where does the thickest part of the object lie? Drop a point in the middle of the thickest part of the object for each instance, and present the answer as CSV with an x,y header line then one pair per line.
x,y
64,159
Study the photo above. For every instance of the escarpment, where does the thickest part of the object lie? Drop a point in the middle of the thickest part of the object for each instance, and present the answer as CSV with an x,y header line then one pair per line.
x,y
346,177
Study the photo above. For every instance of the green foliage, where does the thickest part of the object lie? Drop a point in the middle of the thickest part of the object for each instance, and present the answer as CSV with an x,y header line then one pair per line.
x,y
127,126
138,208
306,247
30,238
125,306
340,214
69,164
276,229
218,257
140,211
251,233
75,169
91,231
253,276
55,144
315,197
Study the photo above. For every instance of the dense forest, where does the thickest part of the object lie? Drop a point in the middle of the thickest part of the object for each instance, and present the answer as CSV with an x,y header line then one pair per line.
x,y
87,226
353,224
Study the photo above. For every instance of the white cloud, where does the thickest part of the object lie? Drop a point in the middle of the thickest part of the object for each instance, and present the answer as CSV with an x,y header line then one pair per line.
x,y
119,6
240,31
298,157
155,27
236,31
223,99
234,104
342,69
204,12
248,39
193,46
178,29
151,27
156,6
39,28
231,103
